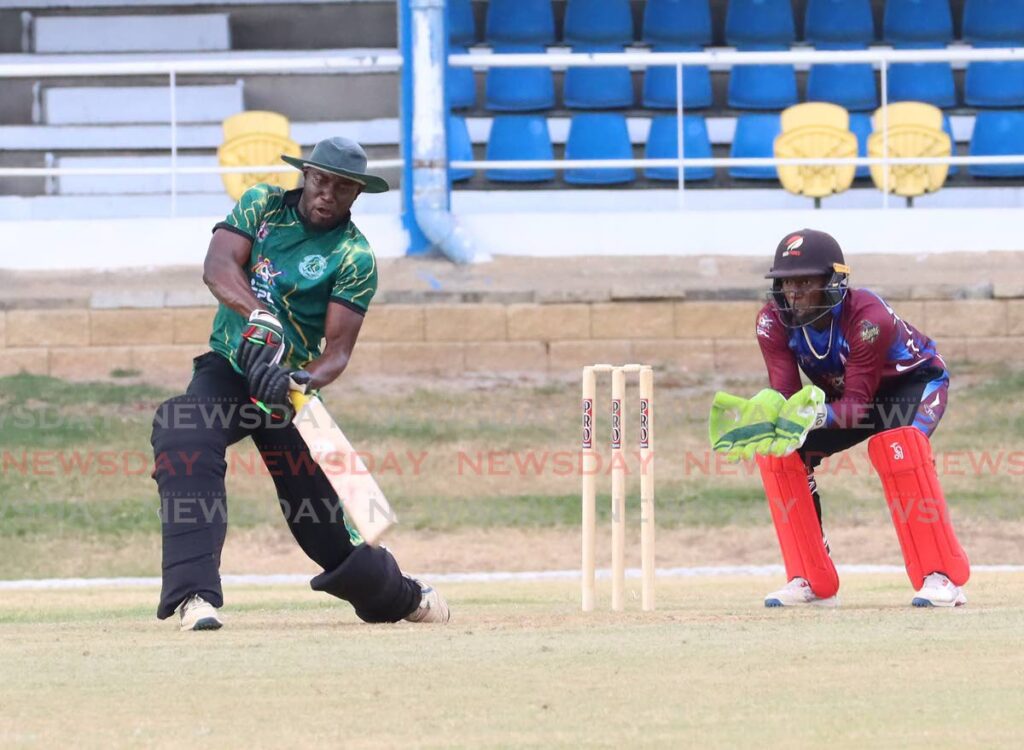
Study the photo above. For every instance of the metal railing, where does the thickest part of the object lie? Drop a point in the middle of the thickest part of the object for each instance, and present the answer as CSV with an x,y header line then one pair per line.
x,y
881,58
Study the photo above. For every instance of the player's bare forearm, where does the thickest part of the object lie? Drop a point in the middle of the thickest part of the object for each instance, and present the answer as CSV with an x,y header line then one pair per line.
x,y
341,329
224,272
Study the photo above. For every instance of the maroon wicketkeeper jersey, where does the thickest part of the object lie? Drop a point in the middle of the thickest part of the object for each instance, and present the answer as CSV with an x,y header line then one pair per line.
x,y
866,346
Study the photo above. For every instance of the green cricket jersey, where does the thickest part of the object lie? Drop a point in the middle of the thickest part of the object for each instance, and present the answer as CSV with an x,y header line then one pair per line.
x,y
295,271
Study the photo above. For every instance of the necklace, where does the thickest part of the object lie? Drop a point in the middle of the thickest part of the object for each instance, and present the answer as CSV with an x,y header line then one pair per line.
x,y
810,346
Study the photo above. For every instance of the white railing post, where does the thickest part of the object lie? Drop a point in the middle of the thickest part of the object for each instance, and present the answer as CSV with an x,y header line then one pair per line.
x,y
885,133
680,133
174,146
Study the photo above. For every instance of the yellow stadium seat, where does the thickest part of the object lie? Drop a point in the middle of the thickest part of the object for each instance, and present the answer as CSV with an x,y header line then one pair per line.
x,y
816,130
912,129
253,139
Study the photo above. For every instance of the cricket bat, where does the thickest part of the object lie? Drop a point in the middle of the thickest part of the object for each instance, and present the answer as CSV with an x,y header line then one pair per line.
x,y
364,502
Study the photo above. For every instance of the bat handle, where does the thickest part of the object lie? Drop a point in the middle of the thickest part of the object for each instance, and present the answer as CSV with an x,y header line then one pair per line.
x,y
297,383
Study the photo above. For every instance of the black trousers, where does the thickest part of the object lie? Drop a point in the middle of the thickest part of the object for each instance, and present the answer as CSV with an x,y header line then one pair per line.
x,y
191,434
919,400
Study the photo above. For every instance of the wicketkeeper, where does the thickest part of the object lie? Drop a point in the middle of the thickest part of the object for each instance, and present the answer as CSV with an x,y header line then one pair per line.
x,y
290,270
873,377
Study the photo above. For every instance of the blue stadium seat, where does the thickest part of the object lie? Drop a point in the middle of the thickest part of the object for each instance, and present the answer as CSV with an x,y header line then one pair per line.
x,y
755,138
519,89
998,133
599,136
757,22
860,126
762,86
849,85
922,82
994,84
662,144
523,137
660,84
460,148
830,22
461,25
917,23
597,88
598,22
461,84
685,22
520,22
994,21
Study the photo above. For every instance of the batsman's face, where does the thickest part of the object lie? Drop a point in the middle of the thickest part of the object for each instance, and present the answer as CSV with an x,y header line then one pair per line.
x,y
326,198
805,295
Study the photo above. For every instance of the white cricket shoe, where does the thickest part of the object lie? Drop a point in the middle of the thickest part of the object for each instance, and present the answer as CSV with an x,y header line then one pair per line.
x,y
198,614
939,591
797,592
433,607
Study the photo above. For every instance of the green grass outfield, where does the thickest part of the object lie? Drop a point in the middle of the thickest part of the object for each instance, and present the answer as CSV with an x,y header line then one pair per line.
x,y
519,666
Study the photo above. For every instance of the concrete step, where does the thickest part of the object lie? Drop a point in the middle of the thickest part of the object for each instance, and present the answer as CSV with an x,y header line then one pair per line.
x,y
200,32
144,184
93,105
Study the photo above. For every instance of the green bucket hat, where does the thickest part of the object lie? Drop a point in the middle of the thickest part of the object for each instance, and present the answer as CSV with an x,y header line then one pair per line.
x,y
341,156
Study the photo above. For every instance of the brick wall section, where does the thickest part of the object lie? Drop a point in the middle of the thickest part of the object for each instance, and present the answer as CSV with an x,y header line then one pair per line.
x,y
689,336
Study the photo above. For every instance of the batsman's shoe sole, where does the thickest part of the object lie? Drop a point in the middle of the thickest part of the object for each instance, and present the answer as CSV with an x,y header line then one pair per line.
x,y
920,601
207,623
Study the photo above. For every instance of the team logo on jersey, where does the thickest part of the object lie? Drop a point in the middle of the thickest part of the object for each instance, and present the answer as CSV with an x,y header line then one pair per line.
x,y
313,266
792,245
264,270
868,331
764,325
262,232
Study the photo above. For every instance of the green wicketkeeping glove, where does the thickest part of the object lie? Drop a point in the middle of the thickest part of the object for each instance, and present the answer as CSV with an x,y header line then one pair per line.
x,y
740,427
804,411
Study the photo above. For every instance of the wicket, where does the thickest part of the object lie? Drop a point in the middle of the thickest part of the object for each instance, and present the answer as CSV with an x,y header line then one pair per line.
x,y
618,479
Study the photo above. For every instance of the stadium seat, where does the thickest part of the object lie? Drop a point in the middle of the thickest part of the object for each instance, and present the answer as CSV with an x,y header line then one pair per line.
x,y
253,139
461,25
759,22
755,138
815,130
917,23
947,128
519,89
994,21
660,84
915,129
682,22
860,126
520,22
598,22
597,88
998,133
839,22
515,137
460,148
599,136
849,85
461,84
994,84
662,144
922,82
762,86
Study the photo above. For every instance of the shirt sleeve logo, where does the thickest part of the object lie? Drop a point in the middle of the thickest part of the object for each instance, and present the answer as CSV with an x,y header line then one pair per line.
x,y
764,325
868,331
313,266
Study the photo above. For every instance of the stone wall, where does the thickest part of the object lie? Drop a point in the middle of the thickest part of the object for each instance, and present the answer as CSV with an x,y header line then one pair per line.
x,y
696,337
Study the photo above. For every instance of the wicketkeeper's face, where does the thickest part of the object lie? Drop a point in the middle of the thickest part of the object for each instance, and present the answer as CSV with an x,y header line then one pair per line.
x,y
327,198
805,296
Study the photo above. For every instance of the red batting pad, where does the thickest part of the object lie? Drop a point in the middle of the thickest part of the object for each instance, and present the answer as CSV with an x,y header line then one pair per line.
x,y
903,460
796,523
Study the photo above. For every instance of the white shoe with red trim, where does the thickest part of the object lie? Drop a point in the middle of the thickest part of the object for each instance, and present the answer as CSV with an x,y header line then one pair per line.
x,y
939,591
798,592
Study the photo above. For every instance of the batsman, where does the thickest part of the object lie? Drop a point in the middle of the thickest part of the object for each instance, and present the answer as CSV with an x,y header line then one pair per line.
x,y
873,376
294,278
